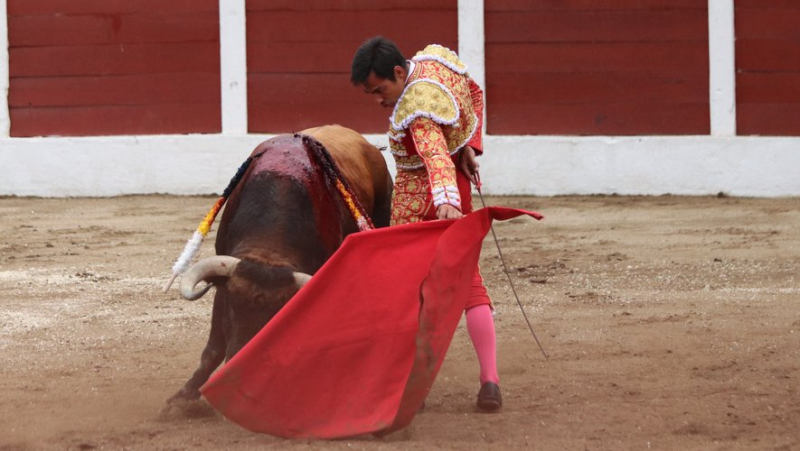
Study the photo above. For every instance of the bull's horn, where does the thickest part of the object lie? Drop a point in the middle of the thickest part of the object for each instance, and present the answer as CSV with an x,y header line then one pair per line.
x,y
218,266
301,278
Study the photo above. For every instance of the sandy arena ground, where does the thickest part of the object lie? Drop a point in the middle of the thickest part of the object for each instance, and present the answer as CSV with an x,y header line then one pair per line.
x,y
671,323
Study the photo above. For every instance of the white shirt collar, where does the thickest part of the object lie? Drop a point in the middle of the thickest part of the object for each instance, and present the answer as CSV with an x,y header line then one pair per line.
x,y
411,65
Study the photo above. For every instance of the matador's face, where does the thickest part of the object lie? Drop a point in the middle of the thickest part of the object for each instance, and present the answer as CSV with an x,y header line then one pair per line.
x,y
386,91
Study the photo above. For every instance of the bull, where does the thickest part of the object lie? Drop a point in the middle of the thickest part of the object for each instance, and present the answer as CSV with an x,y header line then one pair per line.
x,y
280,224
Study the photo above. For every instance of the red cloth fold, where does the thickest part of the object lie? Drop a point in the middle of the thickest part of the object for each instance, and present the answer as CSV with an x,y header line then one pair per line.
x,y
356,351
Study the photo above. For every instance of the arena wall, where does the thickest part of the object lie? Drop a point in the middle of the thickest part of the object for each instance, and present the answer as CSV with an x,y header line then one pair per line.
x,y
299,53
651,107
597,68
88,68
768,67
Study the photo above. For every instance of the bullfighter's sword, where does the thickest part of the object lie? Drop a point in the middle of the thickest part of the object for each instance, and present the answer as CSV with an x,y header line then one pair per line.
x,y
505,269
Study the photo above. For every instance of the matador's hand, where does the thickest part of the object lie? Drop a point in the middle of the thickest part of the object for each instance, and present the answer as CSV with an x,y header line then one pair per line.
x,y
447,211
468,164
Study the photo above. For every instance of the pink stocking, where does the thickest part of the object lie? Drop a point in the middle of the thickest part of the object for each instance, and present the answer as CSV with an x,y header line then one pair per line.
x,y
480,326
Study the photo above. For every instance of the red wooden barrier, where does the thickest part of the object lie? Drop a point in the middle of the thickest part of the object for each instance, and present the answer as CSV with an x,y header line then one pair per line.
x,y
85,67
768,67
299,55
585,67
627,67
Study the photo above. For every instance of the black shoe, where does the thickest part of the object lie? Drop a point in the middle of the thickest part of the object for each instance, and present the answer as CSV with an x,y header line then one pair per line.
x,y
489,398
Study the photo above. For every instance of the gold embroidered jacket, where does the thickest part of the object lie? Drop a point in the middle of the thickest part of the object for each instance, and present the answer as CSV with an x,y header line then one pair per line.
x,y
439,112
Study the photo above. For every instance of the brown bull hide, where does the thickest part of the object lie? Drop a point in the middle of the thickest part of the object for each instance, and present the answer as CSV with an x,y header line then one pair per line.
x,y
285,216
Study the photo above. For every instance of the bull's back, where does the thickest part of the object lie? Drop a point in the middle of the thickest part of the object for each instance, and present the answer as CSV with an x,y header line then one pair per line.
x,y
362,165
282,209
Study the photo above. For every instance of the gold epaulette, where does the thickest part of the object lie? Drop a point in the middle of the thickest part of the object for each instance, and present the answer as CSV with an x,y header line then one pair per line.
x,y
425,98
443,55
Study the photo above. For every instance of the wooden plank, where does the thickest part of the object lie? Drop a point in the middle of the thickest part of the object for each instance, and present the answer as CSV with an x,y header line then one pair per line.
x,y
594,5
616,67
116,120
672,58
278,102
606,87
597,26
768,119
301,57
304,57
34,7
292,117
96,29
639,118
307,88
351,26
768,23
768,55
350,5
114,59
140,89
768,87
765,4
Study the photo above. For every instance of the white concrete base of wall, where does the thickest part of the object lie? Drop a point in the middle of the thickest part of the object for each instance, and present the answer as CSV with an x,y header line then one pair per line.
x,y
517,165
743,166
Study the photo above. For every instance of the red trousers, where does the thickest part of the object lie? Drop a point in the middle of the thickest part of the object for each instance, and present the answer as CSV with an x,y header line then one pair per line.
x,y
478,295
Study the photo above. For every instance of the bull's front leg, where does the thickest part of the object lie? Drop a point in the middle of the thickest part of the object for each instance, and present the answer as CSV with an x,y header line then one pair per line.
x,y
210,359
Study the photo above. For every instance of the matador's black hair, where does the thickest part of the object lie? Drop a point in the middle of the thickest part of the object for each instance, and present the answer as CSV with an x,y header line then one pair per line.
x,y
377,54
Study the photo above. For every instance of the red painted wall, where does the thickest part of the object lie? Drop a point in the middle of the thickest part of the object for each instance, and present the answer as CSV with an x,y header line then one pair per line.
x,y
299,54
768,67
597,67
578,67
87,67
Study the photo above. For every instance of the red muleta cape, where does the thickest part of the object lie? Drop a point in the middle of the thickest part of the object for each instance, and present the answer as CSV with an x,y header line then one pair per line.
x,y
356,350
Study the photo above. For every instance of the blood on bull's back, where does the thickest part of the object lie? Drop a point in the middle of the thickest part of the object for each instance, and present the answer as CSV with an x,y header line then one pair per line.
x,y
285,204
282,221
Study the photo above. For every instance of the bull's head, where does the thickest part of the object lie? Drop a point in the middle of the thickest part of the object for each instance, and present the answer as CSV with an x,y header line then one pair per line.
x,y
218,266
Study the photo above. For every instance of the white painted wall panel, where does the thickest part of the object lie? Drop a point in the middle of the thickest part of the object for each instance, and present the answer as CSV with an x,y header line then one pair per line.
x,y
203,164
722,67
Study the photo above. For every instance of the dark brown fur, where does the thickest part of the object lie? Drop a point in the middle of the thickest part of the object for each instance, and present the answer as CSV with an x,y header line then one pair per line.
x,y
284,216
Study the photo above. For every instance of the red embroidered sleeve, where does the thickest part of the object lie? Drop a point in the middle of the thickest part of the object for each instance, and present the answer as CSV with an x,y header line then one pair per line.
x,y
432,149
476,94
